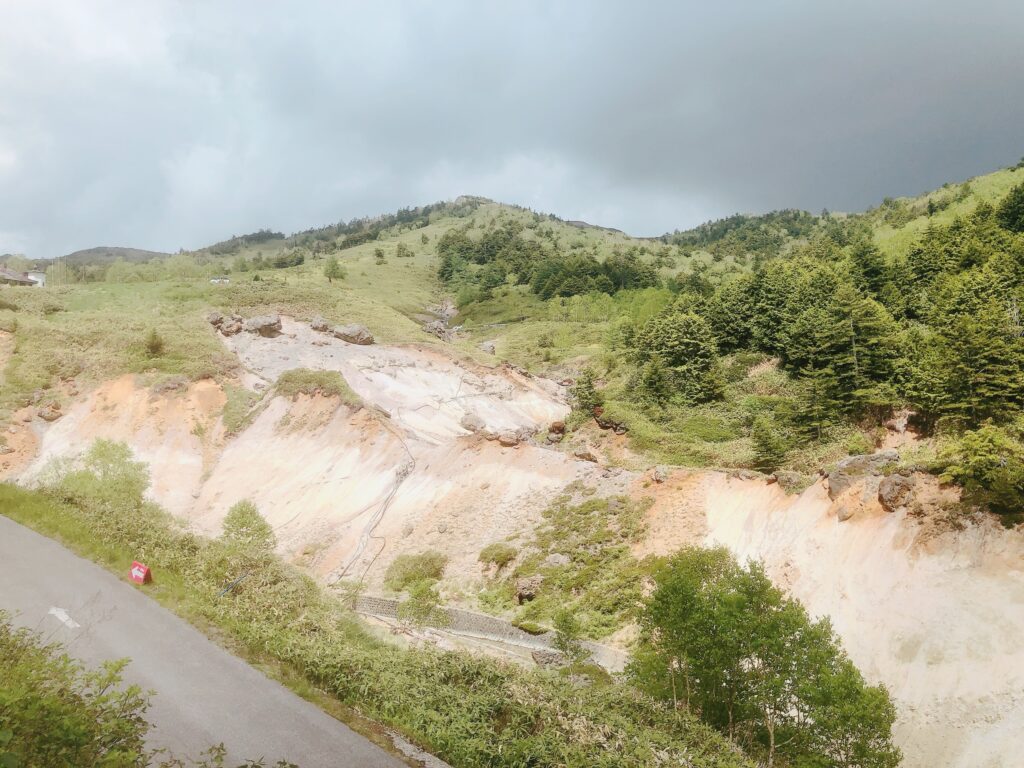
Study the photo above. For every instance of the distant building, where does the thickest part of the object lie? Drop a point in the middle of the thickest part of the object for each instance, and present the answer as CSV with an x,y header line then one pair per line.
x,y
38,275
220,279
10,277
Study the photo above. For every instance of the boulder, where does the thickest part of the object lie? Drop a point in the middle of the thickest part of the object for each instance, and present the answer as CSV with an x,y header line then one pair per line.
x,y
320,324
556,560
844,513
264,325
508,438
895,491
49,413
585,454
472,422
230,327
438,328
548,659
852,467
489,347
353,334
659,474
528,587
558,427
554,437
215,318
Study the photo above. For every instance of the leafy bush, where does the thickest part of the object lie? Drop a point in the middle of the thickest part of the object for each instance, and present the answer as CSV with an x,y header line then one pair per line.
x,y
720,639
499,553
244,527
154,343
54,712
406,570
989,464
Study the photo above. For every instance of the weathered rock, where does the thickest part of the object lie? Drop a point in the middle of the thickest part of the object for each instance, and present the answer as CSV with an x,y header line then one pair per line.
x,y
554,437
844,513
585,454
215,318
438,328
264,325
895,491
555,560
528,587
354,334
489,347
659,474
508,439
546,659
230,327
49,413
320,324
558,427
869,462
472,422
849,469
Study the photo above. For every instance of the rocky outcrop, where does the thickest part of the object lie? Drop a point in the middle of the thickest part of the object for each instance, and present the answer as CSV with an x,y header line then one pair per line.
x,y
508,438
49,412
438,328
472,422
528,587
354,334
264,325
320,324
895,491
849,469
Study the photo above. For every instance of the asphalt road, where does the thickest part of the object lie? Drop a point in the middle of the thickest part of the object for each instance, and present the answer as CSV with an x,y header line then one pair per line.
x,y
204,695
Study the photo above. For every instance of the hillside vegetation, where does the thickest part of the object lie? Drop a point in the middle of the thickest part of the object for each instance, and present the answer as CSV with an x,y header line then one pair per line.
x,y
775,341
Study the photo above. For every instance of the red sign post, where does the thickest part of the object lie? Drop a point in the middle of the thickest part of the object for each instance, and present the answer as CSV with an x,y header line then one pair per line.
x,y
140,573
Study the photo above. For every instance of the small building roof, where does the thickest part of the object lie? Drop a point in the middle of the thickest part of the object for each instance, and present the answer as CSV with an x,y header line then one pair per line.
x,y
10,276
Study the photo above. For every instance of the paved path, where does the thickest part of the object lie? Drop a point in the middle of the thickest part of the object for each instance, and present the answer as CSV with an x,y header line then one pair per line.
x,y
204,695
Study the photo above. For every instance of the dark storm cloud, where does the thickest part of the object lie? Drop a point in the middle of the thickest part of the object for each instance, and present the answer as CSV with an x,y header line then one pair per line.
x,y
175,124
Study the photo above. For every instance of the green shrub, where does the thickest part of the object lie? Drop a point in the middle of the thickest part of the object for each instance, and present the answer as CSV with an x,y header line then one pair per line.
x,y
989,464
154,343
245,527
720,639
55,712
499,553
406,570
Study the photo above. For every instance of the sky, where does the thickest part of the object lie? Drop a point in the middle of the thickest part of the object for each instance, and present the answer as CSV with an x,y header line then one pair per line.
x,y
167,125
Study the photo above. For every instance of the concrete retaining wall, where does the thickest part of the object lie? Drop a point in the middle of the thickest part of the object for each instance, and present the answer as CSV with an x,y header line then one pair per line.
x,y
481,625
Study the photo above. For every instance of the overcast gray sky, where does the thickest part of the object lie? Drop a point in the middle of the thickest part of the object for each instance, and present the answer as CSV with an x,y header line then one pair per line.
x,y
163,125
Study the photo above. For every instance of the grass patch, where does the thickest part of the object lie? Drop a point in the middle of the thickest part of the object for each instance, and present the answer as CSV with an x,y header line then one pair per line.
x,y
406,570
499,553
594,574
303,381
238,408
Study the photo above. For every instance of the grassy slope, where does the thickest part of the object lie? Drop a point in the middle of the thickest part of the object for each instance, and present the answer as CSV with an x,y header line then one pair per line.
x,y
92,331
987,188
